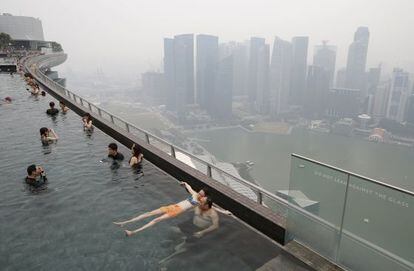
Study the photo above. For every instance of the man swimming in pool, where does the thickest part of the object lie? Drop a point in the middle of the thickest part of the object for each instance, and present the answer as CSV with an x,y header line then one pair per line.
x,y
170,211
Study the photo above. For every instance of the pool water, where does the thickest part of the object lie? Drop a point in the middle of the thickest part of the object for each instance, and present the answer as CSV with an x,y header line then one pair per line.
x,y
68,225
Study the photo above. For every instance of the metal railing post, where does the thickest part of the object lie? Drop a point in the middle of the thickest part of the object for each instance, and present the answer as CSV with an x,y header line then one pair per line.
x,y
209,171
127,127
259,197
147,138
89,105
112,118
81,101
172,151
99,112
338,241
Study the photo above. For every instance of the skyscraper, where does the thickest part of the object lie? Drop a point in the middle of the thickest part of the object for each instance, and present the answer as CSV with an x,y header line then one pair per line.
x,y
357,59
169,73
325,57
399,93
298,74
280,68
182,93
317,90
381,100
240,68
222,100
258,84
206,63
341,78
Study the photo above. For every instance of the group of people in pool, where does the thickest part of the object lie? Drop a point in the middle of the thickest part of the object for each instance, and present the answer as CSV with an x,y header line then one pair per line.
x,y
201,202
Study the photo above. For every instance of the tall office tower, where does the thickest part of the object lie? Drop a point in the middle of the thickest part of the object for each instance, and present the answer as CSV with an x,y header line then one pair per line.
x,y
206,64
341,78
169,73
222,100
381,100
409,112
298,74
357,59
399,93
373,78
263,80
317,89
325,57
240,68
280,67
184,71
258,83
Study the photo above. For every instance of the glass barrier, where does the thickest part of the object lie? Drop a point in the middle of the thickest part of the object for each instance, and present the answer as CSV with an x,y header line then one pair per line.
x,y
356,222
378,231
320,191
160,145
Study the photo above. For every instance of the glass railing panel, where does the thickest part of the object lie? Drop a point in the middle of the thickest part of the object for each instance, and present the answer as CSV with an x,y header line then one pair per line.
x,y
280,209
136,132
160,145
378,231
234,183
318,190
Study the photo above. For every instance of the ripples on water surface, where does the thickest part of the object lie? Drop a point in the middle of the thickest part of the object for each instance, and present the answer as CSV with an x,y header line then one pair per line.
x,y
68,225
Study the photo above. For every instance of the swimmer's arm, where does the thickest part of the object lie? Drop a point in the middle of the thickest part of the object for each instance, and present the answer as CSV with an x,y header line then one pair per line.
x,y
222,211
140,157
214,225
55,136
189,188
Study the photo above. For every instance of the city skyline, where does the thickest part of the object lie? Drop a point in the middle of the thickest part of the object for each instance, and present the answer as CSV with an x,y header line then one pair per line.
x,y
137,28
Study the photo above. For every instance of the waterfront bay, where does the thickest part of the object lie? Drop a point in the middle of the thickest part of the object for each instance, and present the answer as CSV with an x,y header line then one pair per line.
x,y
391,164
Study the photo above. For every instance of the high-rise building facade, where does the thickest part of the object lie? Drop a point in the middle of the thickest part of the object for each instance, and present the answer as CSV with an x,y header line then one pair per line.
x,y
381,100
409,112
343,103
325,57
341,78
21,27
222,100
357,59
169,73
399,93
317,89
179,72
240,68
299,66
280,68
206,69
258,84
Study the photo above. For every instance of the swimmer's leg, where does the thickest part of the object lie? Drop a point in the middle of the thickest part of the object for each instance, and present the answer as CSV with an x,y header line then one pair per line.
x,y
150,224
145,215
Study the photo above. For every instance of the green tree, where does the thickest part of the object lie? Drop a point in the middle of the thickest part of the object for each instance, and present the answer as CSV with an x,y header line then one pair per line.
x,y
56,47
5,39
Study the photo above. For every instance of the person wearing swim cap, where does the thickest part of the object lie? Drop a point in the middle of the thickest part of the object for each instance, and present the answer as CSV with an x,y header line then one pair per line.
x,y
166,212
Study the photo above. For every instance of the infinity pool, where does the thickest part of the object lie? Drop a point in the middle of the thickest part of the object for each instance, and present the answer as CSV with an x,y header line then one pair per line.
x,y
68,226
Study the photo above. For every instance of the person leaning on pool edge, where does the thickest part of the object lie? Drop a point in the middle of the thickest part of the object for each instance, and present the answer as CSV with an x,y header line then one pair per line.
x,y
113,152
36,176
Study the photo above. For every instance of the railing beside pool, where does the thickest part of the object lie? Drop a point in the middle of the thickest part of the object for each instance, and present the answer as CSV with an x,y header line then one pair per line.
x,y
346,219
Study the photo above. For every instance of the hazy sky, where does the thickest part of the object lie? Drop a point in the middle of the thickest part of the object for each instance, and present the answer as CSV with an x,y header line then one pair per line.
x,y
128,35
